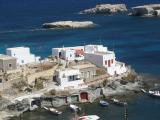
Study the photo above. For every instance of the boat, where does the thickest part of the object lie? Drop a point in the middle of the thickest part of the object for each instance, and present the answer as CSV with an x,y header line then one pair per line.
x,y
154,93
118,102
143,90
75,108
103,103
89,117
53,110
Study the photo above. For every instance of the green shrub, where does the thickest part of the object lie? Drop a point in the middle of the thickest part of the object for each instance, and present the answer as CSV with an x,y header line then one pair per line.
x,y
38,84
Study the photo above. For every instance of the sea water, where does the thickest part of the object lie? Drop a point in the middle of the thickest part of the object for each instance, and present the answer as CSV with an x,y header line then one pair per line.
x,y
135,40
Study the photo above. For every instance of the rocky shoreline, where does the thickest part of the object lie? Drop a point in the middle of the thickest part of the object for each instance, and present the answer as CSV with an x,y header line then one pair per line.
x,y
151,10
105,9
117,86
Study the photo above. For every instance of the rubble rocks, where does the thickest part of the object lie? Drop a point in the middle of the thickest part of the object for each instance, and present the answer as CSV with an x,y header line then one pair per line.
x,y
152,10
105,9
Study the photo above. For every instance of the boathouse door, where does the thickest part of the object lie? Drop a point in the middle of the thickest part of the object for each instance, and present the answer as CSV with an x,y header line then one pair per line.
x,y
84,96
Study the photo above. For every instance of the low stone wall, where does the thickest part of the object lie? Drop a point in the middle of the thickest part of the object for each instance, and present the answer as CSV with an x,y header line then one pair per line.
x,y
31,78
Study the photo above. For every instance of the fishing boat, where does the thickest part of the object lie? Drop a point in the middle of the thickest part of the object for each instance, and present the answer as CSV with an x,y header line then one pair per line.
x,y
75,108
154,93
89,117
103,103
143,90
118,102
53,110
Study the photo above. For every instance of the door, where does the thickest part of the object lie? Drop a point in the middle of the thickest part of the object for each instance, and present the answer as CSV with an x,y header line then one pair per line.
x,y
109,63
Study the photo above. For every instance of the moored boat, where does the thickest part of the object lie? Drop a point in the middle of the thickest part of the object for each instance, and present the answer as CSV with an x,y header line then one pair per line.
x,y
53,110
75,108
118,102
154,93
89,117
103,103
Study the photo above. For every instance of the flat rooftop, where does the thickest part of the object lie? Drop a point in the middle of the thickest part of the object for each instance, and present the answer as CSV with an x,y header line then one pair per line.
x,y
16,48
74,47
6,57
102,53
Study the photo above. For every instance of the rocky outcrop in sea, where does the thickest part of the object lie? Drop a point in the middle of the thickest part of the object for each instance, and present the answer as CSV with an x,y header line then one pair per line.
x,y
151,10
69,24
105,9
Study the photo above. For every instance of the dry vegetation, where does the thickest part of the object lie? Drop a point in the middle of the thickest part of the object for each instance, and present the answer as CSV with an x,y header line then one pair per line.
x,y
38,84
100,71
130,77
59,93
19,85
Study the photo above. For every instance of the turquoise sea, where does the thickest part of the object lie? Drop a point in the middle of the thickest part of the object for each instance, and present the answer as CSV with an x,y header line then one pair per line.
x,y
136,41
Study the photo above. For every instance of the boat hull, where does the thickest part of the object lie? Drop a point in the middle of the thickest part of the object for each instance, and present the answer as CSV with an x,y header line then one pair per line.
x,y
104,103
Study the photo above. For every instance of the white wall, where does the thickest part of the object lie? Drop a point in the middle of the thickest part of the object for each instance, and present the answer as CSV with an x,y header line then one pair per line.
x,y
94,58
64,81
120,68
22,54
99,60
95,48
55,52
108,57
68,55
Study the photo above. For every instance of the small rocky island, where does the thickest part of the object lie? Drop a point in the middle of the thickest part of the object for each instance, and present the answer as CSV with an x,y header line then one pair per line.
x,y
69,24
151,10
105,9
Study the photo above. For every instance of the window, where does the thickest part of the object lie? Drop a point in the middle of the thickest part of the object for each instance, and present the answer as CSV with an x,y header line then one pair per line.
x,y
22,61
106,62
73,78
10,65
112,61
0,80
109,63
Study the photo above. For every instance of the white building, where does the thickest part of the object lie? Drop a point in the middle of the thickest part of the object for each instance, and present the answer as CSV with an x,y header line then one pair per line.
x,y
69,53
101,57
69,78
22,54
95,48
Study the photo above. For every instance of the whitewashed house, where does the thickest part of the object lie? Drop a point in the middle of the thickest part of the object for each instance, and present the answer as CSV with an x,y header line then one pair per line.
x,y
69,53
69,78
95,48
102,57
22,54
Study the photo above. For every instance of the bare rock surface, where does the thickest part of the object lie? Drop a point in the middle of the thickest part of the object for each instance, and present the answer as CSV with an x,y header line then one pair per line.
x,y
105,9
69,24
151,10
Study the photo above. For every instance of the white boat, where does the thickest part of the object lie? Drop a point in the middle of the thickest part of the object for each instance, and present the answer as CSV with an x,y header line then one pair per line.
x,y
103,103
118,102
89,117
143,90
53,110
154,93
74,108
